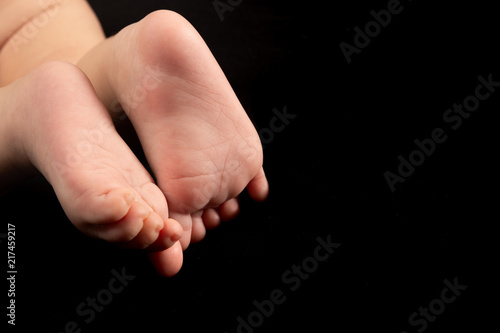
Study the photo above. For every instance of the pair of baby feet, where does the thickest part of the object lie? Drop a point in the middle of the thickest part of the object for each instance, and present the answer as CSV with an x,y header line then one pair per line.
x,y
201,146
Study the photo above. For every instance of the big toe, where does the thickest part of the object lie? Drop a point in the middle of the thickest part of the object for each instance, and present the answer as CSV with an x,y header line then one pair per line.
x,y
103,188
168,262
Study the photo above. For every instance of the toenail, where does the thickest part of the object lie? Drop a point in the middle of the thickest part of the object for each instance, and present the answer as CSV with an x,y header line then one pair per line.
x,y
159,227
175,237
129,199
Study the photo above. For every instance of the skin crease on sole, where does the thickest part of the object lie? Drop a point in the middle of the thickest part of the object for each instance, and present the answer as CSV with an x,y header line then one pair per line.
x,y
198,97
197,138
104,190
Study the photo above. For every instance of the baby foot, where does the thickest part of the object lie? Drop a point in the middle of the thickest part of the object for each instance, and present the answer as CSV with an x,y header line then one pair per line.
x,y
61,128
196,136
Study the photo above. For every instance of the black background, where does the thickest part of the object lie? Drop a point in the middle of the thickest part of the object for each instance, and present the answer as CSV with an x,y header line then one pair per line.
x,y
326,174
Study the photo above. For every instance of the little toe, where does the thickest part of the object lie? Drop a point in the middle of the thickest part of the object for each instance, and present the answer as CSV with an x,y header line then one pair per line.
x,y
229,209
258,188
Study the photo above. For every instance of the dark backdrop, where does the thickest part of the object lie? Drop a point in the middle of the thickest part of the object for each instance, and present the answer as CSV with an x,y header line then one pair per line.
x,y
326,169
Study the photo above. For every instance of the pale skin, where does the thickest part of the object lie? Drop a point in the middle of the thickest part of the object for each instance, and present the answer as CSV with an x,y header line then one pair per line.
x,y
62,85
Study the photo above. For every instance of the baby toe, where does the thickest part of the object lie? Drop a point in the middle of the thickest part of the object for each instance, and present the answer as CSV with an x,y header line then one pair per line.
x,y
155,198
229,209
172,231
186,221
149,234
94,207
211,218
258,188
168,262
198,231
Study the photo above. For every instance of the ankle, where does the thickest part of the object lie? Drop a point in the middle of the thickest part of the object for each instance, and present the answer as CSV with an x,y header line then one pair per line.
x,y
97,65
15,166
